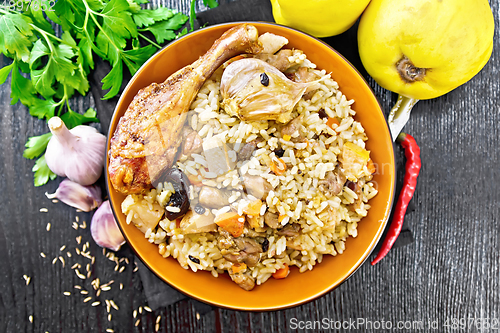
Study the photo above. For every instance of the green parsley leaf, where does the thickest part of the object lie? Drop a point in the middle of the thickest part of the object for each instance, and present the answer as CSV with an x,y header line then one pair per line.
x,y
36,145
113,80
21,88
117,20
148,17
4,73
42,172
72,119
43,108
160,32
164,30
192,14
210,3
136,57
16,35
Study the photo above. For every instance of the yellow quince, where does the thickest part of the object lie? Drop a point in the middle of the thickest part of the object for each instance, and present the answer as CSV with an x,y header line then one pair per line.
x,y
320,18
423,49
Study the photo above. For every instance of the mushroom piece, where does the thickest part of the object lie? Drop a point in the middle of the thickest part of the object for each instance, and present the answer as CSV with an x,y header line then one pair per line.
x,y
246,151
290,230
293,129
243,280
212,197
248,251
192,143
256,186
333,183
278,60
271,219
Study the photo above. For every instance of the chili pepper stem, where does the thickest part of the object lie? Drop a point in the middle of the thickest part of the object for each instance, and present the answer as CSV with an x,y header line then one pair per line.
x,y
413,164
399,114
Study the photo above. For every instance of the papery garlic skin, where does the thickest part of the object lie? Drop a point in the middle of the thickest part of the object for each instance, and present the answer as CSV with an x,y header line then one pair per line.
x,y
85,198
77,153
104,229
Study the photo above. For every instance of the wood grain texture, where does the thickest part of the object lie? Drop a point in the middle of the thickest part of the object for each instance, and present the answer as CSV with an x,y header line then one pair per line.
x,y
451,270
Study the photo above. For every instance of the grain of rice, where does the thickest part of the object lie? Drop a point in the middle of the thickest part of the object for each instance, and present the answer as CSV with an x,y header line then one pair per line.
x,y
42,255
109,316
30,318
113,305
87,299
134,314
48,227
80,275
96,303
109,330
137,322
148,309
43,210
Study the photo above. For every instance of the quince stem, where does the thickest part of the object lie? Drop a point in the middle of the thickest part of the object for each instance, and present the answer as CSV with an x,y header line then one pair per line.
x,y
399,115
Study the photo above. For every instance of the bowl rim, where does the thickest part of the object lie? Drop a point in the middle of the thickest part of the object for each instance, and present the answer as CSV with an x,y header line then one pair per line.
x,y
315,296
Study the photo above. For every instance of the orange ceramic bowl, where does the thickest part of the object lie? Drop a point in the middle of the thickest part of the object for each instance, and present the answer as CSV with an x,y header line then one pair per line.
x,y
297,288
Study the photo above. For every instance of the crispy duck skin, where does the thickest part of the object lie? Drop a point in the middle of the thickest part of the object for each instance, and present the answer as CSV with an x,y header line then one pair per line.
x,y
147,137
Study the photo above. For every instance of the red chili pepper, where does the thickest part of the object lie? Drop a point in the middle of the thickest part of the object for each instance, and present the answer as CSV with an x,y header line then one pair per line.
x,y
413,164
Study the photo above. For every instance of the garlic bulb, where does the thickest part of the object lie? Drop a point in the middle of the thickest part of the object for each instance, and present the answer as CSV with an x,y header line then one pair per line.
x,y
85,198
104,229
253,90
77,153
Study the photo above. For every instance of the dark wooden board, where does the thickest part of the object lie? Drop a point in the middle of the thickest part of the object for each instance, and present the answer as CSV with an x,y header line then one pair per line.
x,y
450,271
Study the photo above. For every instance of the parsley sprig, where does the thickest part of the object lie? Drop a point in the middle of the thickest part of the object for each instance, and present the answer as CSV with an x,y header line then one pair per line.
x,y
48,68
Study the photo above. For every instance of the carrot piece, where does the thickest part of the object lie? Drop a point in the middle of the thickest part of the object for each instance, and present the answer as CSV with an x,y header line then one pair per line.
x,y
237,268
371,166
282,272
332,121
253,208
281,217
231,222
195,180
278,169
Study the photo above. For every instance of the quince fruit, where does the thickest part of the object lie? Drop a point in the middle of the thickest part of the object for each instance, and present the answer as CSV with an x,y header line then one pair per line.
x,y
320,18
423,49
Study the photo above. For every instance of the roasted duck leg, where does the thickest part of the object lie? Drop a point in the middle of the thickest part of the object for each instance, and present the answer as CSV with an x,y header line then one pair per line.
x,y
148,136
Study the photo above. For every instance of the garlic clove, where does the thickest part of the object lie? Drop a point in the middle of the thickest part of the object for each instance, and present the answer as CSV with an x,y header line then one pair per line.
x,y
85,198
77,153
254,90
104,229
